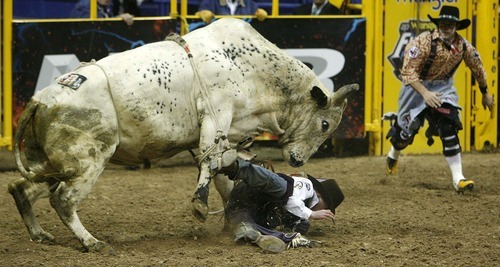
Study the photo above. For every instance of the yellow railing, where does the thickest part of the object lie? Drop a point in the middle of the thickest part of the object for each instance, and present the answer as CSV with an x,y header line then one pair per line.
x,y
6,108
183,16
484,121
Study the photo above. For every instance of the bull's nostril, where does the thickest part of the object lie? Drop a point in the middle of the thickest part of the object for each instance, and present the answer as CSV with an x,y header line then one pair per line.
x,y
298,163
294,162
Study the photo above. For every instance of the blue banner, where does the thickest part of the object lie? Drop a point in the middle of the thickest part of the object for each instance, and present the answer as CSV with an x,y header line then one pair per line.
x,y
333,48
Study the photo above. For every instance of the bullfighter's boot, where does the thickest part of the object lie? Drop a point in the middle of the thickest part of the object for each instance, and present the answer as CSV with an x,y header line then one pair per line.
x,y
270,243
460,183
392,165
464,185
391,162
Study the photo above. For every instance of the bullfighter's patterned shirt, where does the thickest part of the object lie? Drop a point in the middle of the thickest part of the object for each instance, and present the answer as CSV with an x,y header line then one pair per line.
x,y
417,51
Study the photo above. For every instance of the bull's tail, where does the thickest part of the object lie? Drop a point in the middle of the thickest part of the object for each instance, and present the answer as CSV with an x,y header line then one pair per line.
x,y
26,117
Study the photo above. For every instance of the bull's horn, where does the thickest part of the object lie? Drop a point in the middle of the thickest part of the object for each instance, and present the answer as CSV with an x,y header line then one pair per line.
x,y
340,95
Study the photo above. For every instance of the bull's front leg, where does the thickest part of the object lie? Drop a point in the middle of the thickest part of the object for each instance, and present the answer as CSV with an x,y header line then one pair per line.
x,y
200,198
216,152
208,169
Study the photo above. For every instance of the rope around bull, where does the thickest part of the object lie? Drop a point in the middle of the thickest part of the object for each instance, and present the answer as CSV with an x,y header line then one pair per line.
x,y
220,135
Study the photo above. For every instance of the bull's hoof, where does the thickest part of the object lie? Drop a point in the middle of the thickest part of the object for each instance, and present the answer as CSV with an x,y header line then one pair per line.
x,y
103,248
44,238
200,210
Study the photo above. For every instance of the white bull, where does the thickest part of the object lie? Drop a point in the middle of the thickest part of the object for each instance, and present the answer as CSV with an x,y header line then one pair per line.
x,y
154,102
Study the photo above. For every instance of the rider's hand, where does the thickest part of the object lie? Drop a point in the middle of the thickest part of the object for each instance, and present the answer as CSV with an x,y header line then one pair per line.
x,y
322,214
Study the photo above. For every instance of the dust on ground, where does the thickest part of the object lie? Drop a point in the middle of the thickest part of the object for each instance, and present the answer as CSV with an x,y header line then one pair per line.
x,y
413,218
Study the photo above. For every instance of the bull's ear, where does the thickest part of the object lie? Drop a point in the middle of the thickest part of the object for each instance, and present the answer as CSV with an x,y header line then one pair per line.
x,y
319,96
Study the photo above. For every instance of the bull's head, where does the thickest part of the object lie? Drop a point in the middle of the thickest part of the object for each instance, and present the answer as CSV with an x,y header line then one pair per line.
x,y
312,125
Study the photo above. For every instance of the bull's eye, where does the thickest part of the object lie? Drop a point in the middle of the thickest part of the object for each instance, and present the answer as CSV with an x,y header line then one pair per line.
x,y
324,126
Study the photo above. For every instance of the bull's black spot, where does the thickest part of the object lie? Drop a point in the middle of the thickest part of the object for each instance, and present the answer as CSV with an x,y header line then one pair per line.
x,y
103,148
92,152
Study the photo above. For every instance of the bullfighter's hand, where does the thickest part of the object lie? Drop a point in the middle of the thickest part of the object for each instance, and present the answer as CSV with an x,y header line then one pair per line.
x,y
488,101
129,19
432,99
261,14
322,214
206,15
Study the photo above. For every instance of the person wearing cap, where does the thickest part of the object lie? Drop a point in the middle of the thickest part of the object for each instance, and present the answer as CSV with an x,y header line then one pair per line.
x,y
264,205
429,93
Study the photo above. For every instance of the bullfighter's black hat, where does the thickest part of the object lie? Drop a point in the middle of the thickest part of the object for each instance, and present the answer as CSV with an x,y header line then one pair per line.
x,y
451,13
329,190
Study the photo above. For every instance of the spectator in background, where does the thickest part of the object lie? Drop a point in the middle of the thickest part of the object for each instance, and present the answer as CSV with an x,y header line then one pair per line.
x,y
209,8
104,10
127,6
317,7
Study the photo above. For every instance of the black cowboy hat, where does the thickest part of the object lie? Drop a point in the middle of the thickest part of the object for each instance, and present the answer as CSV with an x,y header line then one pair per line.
x,y
329,190
451,13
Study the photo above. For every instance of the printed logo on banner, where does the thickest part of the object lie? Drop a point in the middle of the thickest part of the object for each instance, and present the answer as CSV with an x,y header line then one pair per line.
x,y
437,4
325,62
407,30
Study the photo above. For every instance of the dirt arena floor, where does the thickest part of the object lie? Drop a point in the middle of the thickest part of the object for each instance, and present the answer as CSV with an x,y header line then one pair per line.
x,y
410,219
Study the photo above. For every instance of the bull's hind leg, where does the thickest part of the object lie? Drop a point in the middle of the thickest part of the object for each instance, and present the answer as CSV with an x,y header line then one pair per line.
x,y
25,194
65,201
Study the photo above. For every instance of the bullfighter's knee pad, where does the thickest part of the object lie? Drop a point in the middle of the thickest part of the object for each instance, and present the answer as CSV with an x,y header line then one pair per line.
x,y
399,139
448,134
